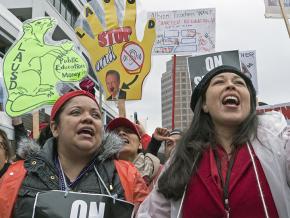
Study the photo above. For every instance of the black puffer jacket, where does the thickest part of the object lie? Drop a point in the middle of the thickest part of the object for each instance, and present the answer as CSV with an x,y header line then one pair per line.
x,y
42,174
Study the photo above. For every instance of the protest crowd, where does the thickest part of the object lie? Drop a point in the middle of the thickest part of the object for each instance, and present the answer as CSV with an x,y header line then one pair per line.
x,y
232,161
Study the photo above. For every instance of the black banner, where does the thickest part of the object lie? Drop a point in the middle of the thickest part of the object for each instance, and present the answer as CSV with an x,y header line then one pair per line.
x,y
198,66
60,204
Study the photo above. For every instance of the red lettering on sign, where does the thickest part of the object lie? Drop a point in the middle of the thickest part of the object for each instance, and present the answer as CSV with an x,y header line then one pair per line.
x,y
284,109
114,36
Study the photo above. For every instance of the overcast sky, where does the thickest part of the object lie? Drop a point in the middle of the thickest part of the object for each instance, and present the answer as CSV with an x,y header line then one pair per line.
x,y
240,25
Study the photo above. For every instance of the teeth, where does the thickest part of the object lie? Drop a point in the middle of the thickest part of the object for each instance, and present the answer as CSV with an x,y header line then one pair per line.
x,y
87,130
125,140
231,100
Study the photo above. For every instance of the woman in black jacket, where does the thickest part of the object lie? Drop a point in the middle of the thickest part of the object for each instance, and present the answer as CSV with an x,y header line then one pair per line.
x,y
4,152
74,171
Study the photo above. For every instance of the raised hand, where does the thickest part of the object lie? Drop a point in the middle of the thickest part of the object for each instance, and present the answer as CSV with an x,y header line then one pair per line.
x,y
117,48
161,134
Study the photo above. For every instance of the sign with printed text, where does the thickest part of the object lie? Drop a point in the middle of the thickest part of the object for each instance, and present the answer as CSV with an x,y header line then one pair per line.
x,y
35,64
119,59
63,204
273,10
184,31
284,108
249,66
198,66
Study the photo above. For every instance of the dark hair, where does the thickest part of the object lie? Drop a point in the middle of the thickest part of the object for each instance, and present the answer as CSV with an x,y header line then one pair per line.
x,y
60,110
45,134
260,103
56,120
114,73
197,138
6,146
203,84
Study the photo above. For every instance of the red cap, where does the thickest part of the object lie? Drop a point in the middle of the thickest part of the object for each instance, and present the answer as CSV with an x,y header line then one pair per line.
x,y
121,121
67,96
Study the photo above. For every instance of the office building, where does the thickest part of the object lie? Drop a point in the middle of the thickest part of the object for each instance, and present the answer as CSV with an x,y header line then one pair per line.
x,y
66,12
182,113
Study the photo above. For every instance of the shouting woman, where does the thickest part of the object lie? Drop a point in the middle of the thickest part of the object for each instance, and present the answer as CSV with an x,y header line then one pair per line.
x,y
231,162
74,174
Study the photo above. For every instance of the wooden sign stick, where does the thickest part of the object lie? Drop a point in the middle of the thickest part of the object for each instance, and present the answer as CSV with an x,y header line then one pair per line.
x,y
284,14
121,107
35,124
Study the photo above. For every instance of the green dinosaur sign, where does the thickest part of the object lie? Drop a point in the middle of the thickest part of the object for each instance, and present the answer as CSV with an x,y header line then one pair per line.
x,y
35,64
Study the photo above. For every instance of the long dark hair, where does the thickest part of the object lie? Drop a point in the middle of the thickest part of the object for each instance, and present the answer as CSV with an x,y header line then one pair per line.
x,y
45,134
5,144
196,139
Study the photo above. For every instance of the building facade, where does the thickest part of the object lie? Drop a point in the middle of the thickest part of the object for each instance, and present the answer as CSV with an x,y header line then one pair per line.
x,y
66,12
182,112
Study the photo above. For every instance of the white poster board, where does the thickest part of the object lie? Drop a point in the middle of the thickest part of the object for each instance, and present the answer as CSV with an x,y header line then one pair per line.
x,y
273,10
249,66
184,31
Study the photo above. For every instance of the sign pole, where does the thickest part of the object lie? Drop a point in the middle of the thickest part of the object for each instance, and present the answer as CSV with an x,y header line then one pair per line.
x,y
35,124
284,14
101,97
173,90
121,107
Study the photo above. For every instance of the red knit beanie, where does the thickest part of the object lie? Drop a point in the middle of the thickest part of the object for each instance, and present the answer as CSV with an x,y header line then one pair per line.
x,y
67,96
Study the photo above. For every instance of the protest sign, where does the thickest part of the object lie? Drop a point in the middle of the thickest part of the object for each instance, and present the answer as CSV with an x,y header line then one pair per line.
x,y
184,31
120,61
198,66
273,10
35,63
284,108
249,66
64,204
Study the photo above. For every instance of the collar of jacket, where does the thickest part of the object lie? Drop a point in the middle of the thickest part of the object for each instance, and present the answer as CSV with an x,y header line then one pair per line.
x,y
110,146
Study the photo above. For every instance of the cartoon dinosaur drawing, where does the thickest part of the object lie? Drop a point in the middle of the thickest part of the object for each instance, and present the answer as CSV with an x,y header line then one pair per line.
x,y
32,67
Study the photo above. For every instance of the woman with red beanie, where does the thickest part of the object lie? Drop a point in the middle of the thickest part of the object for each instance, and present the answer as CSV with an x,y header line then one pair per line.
x,y
231,162
74,174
